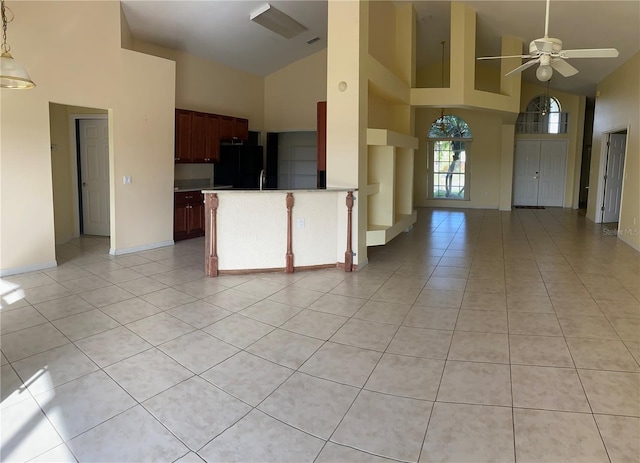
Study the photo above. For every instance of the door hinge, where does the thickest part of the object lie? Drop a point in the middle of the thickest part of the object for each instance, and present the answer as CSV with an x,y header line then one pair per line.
x,y
602,208
605,176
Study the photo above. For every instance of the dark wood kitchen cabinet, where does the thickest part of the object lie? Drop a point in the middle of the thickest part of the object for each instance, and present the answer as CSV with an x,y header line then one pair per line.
x,y
234,128
188,215
197,137
183,136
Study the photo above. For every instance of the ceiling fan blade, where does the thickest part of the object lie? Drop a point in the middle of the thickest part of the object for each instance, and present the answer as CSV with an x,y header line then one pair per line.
x,y
501,57
543,46
563,67
590,53
526,65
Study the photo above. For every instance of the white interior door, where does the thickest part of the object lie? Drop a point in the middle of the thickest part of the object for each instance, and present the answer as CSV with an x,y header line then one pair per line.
x,y
613,177
553,170
94,173
526,173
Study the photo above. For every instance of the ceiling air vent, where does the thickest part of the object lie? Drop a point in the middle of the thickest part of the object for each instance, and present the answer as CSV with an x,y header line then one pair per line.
x,y
313,40
276,21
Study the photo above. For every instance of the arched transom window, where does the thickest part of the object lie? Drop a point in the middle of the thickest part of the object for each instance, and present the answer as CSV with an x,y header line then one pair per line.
x,y
449,146
543,115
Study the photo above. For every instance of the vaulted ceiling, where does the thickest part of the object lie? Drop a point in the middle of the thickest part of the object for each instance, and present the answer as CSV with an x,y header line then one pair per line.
x,y
220,30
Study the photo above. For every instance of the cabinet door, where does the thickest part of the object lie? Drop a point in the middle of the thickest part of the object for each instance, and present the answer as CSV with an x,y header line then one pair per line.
x,y
180,221
198,136
321,123
212,138
241,129
183,136
196,220
226,127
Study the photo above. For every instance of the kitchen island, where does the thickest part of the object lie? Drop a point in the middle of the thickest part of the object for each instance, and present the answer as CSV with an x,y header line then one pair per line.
x,y
278,230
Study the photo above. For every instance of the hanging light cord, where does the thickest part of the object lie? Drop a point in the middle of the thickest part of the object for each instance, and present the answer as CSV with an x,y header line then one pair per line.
x,y
442,80
546,107
442,43
5,46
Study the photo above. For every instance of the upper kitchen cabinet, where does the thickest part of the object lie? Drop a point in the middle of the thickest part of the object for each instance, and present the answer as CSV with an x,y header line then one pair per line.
x,y
234,128
212,138
183,136
197,137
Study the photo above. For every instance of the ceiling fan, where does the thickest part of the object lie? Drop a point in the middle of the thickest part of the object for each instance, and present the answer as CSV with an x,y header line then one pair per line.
x,y
549,53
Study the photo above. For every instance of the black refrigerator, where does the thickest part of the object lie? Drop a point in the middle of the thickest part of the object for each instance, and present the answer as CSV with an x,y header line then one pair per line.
x,y
239,166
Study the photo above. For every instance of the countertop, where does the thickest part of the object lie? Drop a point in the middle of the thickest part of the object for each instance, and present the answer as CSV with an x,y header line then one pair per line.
x,y
277,190
218,187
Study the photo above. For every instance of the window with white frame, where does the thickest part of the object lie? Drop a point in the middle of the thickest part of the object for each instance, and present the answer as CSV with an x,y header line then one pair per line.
x,y
449,147
543,116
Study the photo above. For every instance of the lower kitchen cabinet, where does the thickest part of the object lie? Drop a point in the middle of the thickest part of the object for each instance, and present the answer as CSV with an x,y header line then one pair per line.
x,y
188,215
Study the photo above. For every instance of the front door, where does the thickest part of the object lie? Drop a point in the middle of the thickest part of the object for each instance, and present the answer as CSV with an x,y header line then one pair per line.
x,y
613,177
94,175
526,173
539,173
553,168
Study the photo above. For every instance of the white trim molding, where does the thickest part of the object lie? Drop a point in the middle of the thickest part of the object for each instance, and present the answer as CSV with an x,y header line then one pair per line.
x,y
27,268
142,247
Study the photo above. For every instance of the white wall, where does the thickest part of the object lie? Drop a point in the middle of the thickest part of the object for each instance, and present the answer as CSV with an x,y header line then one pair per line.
x,y
292,93
617,108
82,64
207,86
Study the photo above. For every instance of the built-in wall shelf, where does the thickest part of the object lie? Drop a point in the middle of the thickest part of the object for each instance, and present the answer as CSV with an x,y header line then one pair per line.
x,y
390,185
384,137
378,235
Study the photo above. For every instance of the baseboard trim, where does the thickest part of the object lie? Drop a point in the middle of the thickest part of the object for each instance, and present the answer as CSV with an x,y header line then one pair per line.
x,y
28,268
250,271
142,247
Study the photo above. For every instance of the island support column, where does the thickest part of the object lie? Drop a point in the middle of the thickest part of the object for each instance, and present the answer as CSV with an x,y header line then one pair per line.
x,y
211,241
289,256
348,255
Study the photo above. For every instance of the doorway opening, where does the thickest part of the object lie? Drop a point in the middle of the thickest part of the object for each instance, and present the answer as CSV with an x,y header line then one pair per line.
x,y
80,171
613,176
585,169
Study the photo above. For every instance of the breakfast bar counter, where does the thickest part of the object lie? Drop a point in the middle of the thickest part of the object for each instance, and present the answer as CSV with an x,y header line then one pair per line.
x,y
277,230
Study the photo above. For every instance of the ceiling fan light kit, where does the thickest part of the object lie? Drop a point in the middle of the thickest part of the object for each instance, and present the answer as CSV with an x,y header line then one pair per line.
x,y
548,53
544,72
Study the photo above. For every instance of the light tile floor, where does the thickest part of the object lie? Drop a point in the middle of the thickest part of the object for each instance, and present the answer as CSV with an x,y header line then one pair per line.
x,y
478,336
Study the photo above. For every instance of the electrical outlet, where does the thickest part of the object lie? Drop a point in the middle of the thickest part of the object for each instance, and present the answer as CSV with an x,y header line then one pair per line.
x,y
126,179
300,223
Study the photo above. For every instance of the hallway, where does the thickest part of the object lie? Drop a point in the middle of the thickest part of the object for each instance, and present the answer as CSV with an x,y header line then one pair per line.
x,y
477,336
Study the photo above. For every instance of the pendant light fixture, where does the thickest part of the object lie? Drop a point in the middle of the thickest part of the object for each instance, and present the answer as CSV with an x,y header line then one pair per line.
x,y
12,73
